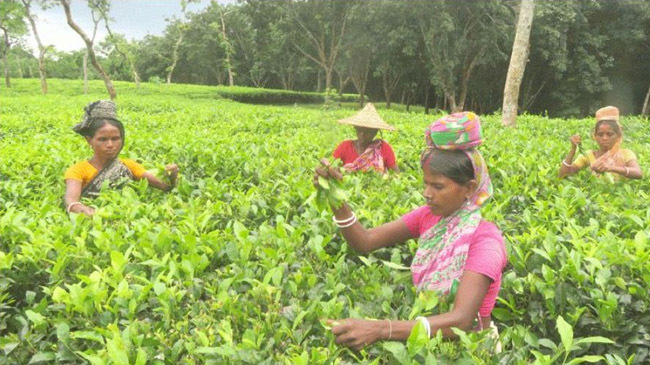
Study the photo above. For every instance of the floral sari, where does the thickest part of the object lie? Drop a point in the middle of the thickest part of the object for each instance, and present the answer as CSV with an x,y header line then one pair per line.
x,y
370,159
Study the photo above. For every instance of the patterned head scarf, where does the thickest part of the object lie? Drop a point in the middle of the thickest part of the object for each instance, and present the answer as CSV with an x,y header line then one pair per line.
x,y
458,131
462,131
101,109
442,250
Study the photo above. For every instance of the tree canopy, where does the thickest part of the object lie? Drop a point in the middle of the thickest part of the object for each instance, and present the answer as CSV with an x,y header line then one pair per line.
x,y
445,54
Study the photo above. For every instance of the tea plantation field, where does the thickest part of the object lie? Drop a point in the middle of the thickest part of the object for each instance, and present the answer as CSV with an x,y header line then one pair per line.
x,y
237,265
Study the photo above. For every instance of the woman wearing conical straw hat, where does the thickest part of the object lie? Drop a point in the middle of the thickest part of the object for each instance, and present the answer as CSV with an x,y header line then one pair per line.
x,y
610,160
366,153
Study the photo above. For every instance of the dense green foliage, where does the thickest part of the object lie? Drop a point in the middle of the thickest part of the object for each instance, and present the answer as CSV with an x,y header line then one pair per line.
x,y
275,96
583,53
238,265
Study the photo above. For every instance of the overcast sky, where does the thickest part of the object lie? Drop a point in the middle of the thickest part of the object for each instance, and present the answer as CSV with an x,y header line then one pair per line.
x,y
134,18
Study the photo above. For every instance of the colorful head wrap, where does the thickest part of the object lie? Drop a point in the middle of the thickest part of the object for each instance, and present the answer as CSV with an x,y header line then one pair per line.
x,y
462,131
607,113
101,109
458,131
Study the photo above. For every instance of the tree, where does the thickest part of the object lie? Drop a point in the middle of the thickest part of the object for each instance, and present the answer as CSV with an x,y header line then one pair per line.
x,y
396,45
89,43
225,44
13,26
96,19
274,51
319,28
42,50
517,63
459,36
122,47
180,27
360,48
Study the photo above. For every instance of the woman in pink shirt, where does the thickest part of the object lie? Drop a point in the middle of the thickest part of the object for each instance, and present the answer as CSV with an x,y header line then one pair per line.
x,y
460,255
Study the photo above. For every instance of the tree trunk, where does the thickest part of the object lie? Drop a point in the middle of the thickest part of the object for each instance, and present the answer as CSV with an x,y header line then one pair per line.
x,y
125,56
91,52
451,100
4,59
175,56
387,91
20,67
85,67
517,63
646,108
319,86
41,49
231,80
426,98
328,78
136,77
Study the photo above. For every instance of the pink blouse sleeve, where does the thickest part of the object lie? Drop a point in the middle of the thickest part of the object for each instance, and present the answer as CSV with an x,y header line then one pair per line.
x,y
487,252
413,220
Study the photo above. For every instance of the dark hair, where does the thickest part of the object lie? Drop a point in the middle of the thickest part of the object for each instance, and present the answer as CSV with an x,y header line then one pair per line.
x,y
611,123
453,164
96,124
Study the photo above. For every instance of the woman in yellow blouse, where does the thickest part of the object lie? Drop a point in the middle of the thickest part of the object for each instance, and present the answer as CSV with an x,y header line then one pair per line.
x,y
105,135
610,160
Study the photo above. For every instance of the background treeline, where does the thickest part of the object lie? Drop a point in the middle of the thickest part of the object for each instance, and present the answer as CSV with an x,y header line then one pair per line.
x,y
441,54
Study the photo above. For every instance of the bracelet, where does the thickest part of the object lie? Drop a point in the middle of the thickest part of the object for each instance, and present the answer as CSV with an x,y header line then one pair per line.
x,y
627,170
352,221
390,331
426,324
566,164
345,220
72,205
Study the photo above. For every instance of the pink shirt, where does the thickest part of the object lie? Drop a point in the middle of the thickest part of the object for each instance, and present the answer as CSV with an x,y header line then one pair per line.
x,y
486,255
347,153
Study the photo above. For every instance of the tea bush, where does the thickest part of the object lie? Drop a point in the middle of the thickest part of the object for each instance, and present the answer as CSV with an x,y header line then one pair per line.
x,y
237,264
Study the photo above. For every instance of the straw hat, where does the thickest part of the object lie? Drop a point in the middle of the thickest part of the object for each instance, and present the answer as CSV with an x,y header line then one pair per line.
x,y
368,118
607,113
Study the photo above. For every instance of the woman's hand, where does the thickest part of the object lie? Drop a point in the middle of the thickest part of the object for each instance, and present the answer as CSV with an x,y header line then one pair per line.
x,y
326,171
575,140
602,166
356,333
80,208
172,171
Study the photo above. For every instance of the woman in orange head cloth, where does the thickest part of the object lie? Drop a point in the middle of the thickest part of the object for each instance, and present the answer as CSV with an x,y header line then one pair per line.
x,y
610,160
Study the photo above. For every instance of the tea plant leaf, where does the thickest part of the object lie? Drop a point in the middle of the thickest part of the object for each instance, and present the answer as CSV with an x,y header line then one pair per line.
x,y
566,333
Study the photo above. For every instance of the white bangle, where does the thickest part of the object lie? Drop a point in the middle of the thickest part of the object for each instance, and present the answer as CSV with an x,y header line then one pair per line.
x,y
566,164
390,331
347,220
349,223
426,324
72,205
627,171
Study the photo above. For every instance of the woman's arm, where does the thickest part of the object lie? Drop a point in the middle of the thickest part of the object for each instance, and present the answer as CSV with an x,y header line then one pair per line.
x,y
171,170
72,197
631,170
358,237
358,333
567,168
367,240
